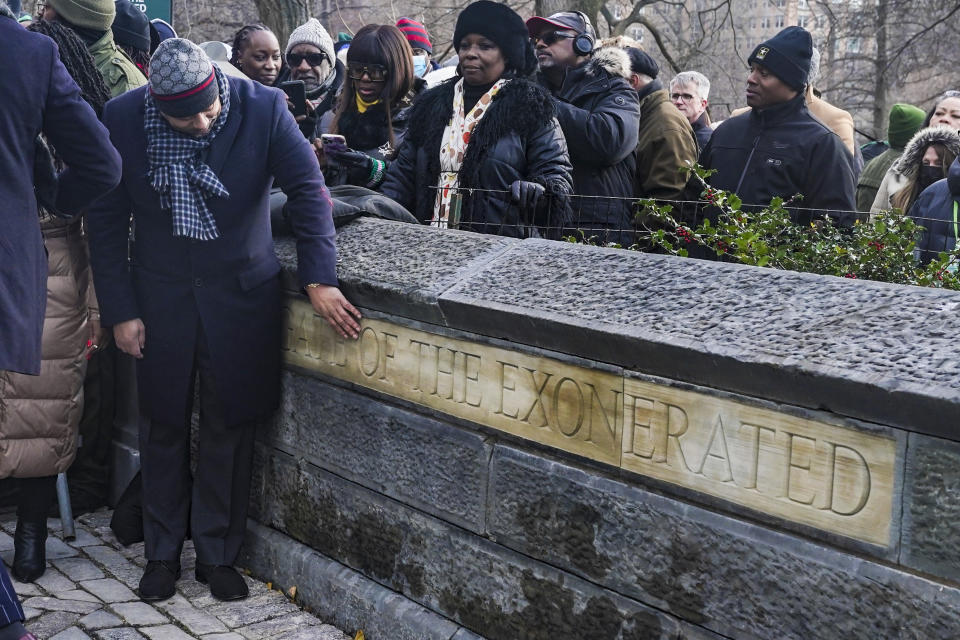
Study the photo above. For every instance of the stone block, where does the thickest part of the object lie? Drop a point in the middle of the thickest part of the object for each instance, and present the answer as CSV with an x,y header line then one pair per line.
x,y
56,604
197,621
119,633
52,623
868,350
402,268
78,569
726,575
337,593
483,586
52,581
166,632
931,538
99,620
109,590
71,633
408,456
256,608
138,613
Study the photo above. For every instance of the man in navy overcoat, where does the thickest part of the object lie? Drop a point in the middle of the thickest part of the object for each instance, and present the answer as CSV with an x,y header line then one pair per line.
x,y
200,295
39,96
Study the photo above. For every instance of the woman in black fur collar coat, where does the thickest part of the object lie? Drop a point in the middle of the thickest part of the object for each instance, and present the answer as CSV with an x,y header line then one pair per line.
x,y
483,151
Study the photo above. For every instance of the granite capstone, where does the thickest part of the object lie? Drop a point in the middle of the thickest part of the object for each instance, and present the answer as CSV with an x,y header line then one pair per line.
x,y
402,267
864,349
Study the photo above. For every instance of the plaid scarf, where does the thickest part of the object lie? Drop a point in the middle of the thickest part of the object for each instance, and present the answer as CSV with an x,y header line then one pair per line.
x,y
177,173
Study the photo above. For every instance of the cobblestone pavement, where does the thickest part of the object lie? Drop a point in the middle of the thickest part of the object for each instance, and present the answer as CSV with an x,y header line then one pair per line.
x,y
88,593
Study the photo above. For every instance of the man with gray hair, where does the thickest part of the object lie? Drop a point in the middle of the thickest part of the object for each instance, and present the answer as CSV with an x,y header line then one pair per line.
x,y
689,92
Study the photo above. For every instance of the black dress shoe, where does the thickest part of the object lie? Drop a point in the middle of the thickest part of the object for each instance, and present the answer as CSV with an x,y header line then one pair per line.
x,y
159,580
29,550
225,582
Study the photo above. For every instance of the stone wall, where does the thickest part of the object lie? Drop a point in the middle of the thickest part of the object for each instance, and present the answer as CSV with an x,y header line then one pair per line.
x,y
543,440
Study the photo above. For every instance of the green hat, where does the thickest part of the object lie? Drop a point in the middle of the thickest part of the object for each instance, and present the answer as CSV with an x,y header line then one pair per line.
x,y
905,120
96,15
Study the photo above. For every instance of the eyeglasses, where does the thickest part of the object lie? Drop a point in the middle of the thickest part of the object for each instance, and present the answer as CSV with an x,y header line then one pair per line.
x,y
375,72
686,97
550,37
313,59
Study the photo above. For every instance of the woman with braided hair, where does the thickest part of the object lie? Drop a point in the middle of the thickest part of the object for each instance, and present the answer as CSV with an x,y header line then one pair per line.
x,y
76,58
43,412
256,52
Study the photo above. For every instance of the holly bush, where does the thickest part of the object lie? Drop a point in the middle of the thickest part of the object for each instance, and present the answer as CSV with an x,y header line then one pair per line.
x,y
882,249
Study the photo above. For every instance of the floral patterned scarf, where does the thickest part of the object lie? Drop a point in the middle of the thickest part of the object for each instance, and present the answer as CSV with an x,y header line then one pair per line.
x,y
453,148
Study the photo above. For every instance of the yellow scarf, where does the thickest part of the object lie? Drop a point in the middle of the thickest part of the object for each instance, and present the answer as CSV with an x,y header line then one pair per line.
x,y
363,105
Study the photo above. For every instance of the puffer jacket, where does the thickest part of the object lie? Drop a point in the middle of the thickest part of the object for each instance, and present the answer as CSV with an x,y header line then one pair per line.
x,y
781,151
517,139
41,414
902,173
599,113
934,211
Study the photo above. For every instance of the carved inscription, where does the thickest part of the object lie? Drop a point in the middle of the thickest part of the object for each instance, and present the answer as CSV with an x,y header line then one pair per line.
x,y
832,478
567,407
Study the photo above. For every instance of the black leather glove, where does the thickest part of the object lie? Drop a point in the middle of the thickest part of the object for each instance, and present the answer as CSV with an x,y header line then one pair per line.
x,y
359,166
526,194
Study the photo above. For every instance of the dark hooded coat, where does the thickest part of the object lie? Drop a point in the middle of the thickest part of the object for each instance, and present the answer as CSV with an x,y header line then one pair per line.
x,y
934,210
599,113
517,139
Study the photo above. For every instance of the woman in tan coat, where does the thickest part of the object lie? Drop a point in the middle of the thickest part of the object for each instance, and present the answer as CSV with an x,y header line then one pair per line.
x,y
39,415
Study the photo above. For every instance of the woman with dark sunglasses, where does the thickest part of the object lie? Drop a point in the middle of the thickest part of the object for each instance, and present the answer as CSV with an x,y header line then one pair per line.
x,y
484,151
371,112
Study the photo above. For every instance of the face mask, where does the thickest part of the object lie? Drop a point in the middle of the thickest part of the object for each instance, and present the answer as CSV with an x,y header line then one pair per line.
x,y
419,65
928,175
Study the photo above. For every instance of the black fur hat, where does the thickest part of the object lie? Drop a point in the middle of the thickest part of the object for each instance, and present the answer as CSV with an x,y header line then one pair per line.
x,y
502,25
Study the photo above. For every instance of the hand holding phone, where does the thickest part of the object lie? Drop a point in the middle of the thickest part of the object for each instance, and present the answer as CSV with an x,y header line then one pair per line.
x,y
296,96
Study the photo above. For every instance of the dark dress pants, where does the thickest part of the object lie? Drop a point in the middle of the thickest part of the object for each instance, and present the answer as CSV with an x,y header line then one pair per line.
x,y
217,502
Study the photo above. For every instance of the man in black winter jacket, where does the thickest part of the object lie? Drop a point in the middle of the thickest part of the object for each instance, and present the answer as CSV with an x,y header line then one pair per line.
x,y
778,148
599,113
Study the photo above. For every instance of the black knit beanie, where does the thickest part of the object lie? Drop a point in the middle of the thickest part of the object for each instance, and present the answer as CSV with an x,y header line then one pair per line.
x,y
502,25
787,55
131,27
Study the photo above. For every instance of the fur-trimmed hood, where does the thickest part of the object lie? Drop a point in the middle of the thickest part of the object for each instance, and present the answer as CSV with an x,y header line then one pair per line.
x,y
5,10
909,162
614,60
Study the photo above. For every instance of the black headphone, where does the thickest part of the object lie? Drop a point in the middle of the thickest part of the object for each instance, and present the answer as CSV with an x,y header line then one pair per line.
x,y
583,43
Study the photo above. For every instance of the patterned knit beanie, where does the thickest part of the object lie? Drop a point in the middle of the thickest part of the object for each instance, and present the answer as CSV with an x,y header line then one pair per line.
x,y
96,15
182,80
312,32
416,34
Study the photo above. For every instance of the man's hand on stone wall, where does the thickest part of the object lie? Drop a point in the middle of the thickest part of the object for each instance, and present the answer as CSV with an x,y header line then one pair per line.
x,y
330,304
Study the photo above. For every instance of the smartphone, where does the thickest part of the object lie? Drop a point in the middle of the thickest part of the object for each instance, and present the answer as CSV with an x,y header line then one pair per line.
x,y
332,138
298,96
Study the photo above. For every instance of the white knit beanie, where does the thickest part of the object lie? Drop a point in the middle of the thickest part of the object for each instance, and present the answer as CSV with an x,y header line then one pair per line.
x,y
312,32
